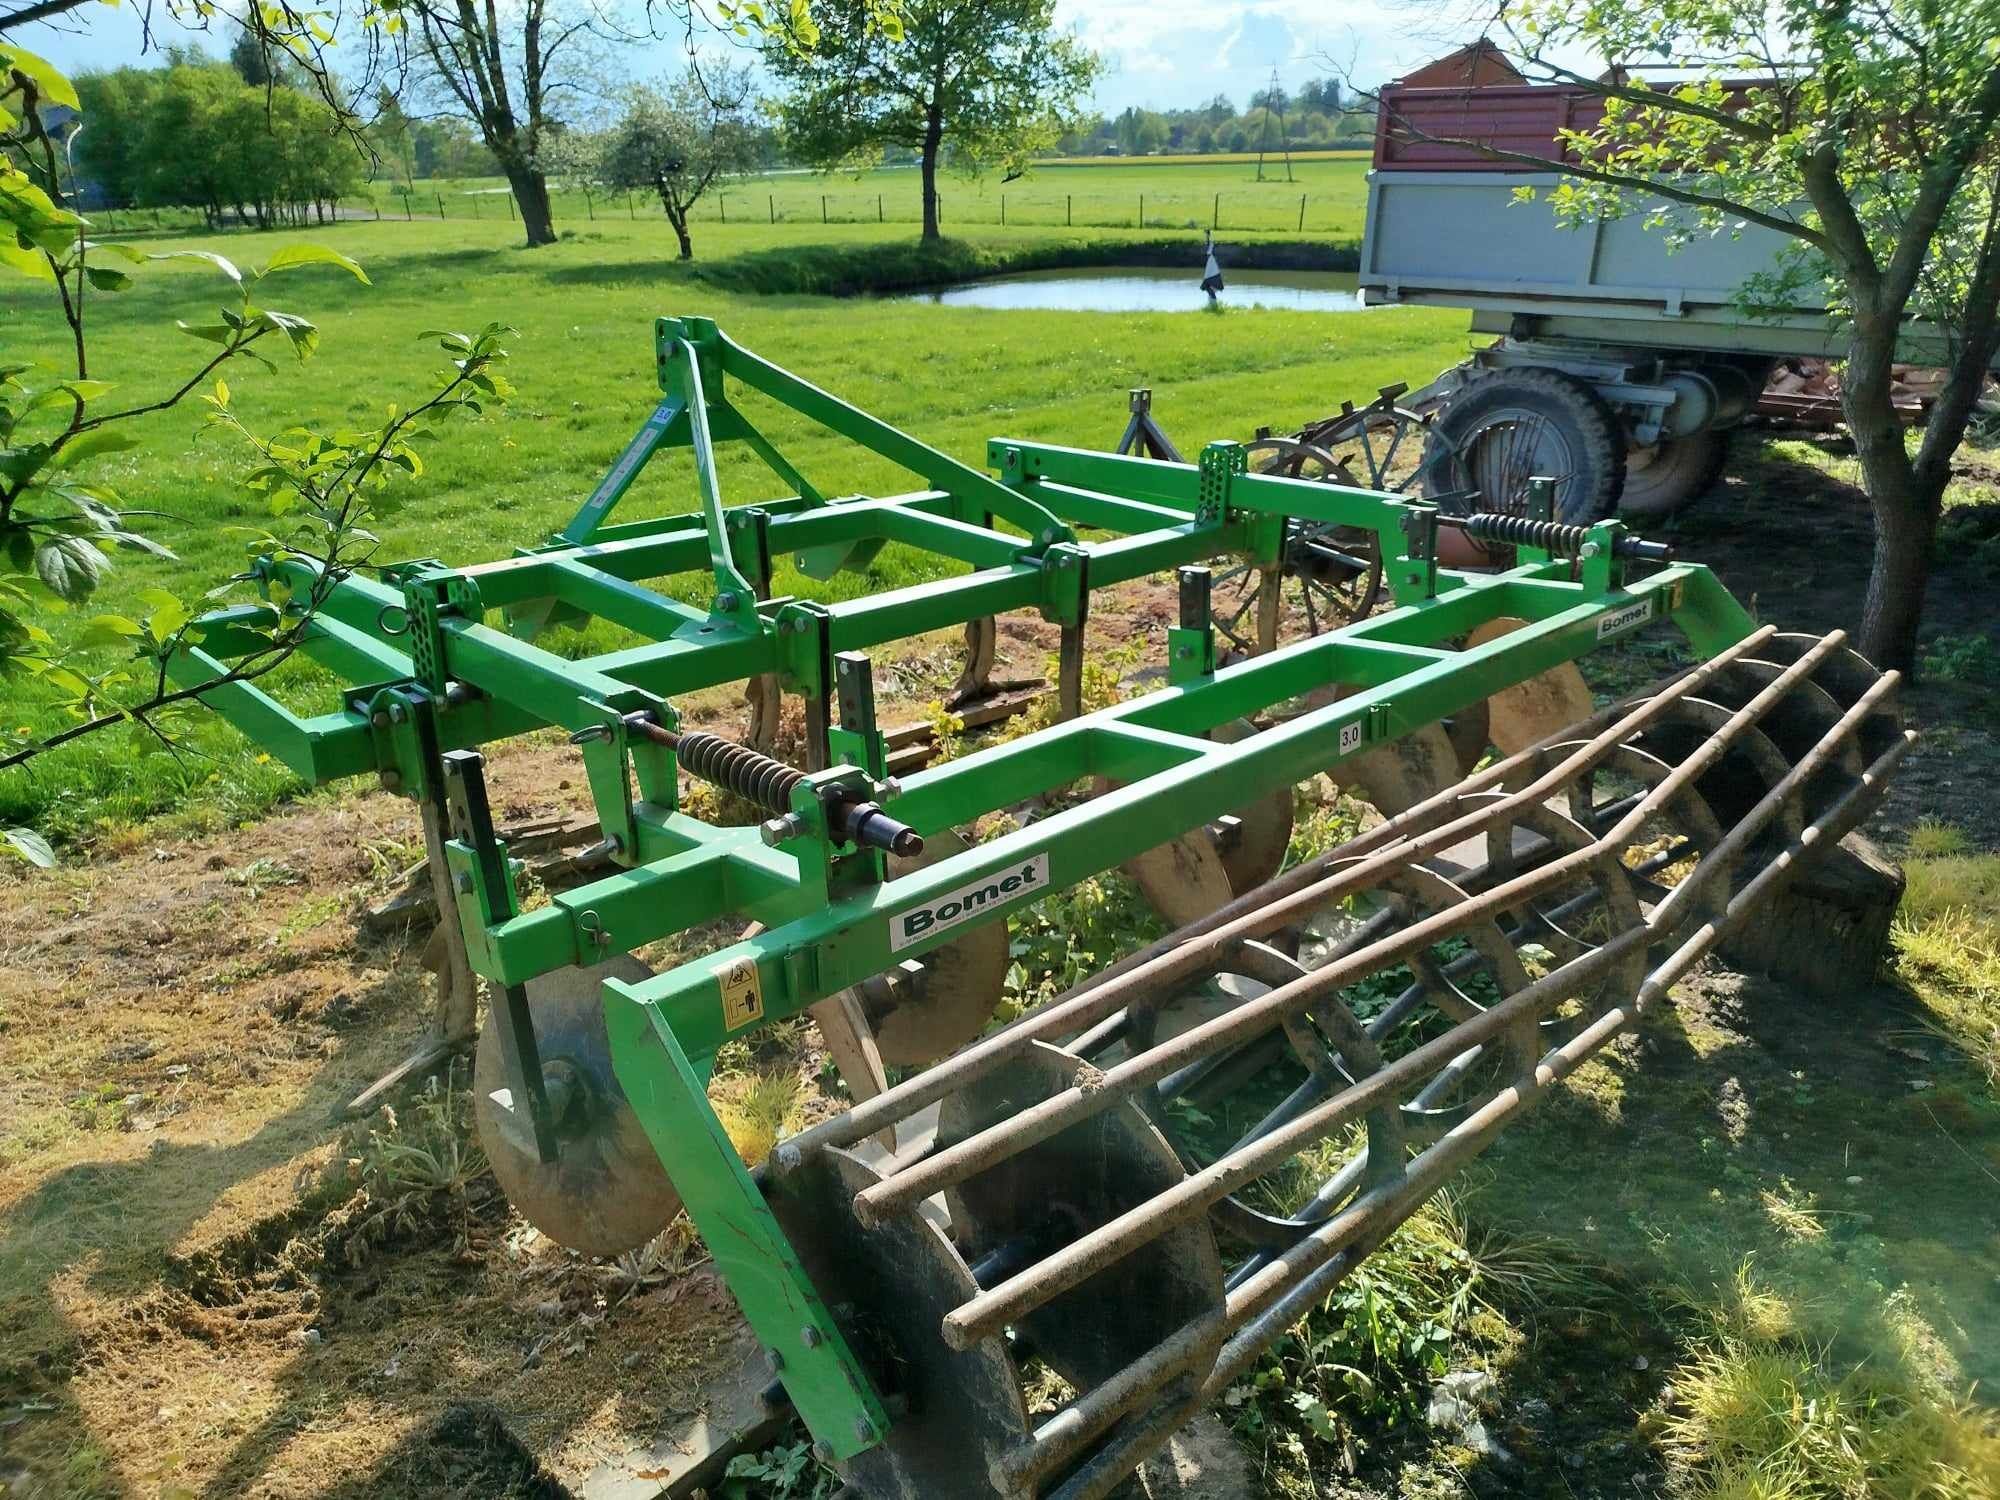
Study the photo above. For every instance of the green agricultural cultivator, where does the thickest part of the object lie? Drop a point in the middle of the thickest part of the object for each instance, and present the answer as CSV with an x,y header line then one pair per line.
x,y
1396,1001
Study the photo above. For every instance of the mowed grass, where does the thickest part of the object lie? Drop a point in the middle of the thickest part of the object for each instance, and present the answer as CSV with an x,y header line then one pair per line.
x,y
583,365
1173,193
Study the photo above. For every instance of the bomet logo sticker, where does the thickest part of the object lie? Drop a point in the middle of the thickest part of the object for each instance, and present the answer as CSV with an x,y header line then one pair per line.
x,y
1626,618
976,899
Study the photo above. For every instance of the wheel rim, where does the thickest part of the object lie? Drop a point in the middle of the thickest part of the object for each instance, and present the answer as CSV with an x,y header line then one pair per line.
x,y
1495,462
1332,574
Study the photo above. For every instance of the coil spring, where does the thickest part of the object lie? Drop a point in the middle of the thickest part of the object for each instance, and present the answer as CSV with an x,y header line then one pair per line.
x,y
1554,537
739,769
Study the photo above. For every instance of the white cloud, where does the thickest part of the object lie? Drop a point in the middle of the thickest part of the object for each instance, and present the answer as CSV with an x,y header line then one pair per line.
x,y
1173,53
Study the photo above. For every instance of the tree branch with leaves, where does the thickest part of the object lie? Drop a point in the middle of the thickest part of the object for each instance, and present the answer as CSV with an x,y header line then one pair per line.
x,y
61,524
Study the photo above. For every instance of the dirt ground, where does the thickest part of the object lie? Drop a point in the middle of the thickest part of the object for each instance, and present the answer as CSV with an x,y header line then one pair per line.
x,y
202,1293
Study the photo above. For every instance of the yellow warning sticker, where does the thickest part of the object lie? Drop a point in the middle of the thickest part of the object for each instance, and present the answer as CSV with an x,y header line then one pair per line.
x,y
742,992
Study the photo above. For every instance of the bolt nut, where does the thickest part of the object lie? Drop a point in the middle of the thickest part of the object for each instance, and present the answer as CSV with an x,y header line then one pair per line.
x,y
809,1336
864,1429
397,713
778,830
823,1452
725,603
892,786
379,719
777,1360
463,884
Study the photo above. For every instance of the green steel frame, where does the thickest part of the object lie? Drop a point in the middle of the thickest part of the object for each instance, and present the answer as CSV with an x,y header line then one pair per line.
x,y
432,676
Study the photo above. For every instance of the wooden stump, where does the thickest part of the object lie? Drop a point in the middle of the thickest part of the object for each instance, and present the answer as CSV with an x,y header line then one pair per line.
x,y
1829,927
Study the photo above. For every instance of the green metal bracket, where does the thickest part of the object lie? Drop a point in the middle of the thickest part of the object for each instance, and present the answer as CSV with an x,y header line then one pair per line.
x,y
1064,584
820,1370
1220,462
428,597
668,421
1191,644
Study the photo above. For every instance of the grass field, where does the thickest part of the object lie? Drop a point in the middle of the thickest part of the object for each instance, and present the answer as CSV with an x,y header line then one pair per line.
x,y
1173,192
583,365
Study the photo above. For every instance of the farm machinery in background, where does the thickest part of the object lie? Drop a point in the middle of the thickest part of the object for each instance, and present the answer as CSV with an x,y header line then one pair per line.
x,y
1621,354
1028,1197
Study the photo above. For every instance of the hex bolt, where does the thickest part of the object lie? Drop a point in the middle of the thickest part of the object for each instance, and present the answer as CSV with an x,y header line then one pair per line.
x,y
777,1360
864,1429
397,713
463,883
777,830
380,719
823,1451
725,603
809,1336
391,780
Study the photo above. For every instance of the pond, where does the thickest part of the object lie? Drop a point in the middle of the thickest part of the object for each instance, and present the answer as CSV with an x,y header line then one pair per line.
x,y
1150,289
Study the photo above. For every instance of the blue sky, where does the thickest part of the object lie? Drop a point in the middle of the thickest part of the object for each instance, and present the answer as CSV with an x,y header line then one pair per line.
x,y
1161,53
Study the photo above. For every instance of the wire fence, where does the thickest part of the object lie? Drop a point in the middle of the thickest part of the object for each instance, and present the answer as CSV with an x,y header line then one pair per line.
x,y
1256,207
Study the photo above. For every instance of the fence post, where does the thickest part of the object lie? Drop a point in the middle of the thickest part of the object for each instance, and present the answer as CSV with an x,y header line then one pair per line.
x,y
475,205
878,209
1142,210
440,199
589,208
406,208
510,203
772,200
822,208
1216,222
722,205
1069,209
1302,213
1003,208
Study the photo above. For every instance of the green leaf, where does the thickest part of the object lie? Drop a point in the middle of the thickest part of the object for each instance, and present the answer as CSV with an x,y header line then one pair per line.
x,y
28,262
221,263
314,255
69,567
94,444
30,845
107,280
215,333
109,630
19,465
48,82
167,618
304,336
124,252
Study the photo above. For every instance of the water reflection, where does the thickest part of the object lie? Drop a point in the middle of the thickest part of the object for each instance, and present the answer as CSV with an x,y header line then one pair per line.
x,y
1150,289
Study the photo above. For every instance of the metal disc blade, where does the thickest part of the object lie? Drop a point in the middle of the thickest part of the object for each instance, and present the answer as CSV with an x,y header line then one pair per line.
x,y
1254,849
1054,1192
1183,880
1531,711
1399,775
606,1192
958,990
891,1288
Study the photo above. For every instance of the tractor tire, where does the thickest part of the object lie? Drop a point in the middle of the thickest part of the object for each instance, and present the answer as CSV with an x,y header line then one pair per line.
x,y
1508,426
1672,474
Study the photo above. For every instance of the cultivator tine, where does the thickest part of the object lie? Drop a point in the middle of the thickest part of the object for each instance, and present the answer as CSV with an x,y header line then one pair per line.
x,y
1751,761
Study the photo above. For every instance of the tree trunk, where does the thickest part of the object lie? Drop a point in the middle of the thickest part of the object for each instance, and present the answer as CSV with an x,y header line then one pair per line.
x,y
677,215
531,195
933,136
1906,509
